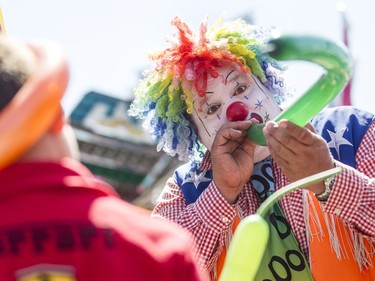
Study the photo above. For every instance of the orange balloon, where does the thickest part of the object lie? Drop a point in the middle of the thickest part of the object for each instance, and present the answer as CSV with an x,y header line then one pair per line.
x,y
36,105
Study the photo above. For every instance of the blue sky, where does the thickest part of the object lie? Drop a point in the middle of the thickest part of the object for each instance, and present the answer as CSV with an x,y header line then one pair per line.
x,y
107,42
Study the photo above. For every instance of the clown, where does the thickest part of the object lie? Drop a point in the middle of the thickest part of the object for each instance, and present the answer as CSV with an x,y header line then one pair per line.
x,y
199,101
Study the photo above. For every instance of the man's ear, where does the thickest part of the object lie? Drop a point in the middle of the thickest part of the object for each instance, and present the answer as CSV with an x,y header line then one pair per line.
x,y
59,122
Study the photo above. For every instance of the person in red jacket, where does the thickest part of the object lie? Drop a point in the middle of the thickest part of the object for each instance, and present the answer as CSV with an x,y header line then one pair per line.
x,y
59,222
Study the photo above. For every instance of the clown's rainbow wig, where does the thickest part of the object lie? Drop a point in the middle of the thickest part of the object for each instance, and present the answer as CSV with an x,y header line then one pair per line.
x,y
163,99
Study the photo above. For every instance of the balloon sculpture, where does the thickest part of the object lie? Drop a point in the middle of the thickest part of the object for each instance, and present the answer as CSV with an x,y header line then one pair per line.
x,y
250,239
334,58
37,104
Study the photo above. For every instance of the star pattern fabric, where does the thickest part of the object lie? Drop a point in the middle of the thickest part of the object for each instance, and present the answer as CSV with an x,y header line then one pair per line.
x,y
193,181
338,139
196,178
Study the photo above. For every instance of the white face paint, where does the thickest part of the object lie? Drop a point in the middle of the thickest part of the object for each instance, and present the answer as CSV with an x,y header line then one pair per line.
x,y
232,85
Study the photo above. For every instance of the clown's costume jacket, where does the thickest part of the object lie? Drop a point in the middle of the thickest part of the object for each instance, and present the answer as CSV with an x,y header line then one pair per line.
x,y
191,199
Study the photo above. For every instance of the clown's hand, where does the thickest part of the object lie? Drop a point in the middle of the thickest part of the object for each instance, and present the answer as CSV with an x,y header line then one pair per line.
x,y
232,159
300,152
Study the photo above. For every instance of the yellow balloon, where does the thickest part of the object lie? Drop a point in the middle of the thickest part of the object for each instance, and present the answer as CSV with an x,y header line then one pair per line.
x,y
246,249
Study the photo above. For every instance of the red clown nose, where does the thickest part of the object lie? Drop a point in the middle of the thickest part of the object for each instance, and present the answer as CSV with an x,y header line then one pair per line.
x,y
237,111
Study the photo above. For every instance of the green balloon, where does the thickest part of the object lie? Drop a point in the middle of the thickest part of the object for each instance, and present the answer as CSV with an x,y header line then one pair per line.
x,y
332,56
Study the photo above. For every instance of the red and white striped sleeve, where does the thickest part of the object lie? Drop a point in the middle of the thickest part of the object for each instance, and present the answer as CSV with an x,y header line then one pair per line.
x,y
353,195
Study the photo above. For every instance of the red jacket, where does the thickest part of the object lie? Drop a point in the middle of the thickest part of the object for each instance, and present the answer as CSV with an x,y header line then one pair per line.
x,y
58,220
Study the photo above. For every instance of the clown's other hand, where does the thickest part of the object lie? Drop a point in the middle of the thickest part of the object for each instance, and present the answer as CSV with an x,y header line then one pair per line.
x,y
299,152
232,156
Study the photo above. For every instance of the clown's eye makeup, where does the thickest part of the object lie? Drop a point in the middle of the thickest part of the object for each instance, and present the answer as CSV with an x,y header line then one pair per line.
x,y
212,108
239,89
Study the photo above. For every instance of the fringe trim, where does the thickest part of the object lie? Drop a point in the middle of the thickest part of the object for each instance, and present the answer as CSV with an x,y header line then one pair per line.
x,y
214,272
357,250
227,239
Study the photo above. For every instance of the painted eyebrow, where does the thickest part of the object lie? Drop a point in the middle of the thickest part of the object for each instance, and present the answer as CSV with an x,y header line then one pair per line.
x,y
204,102
235,77
256,83
226,78
200,119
